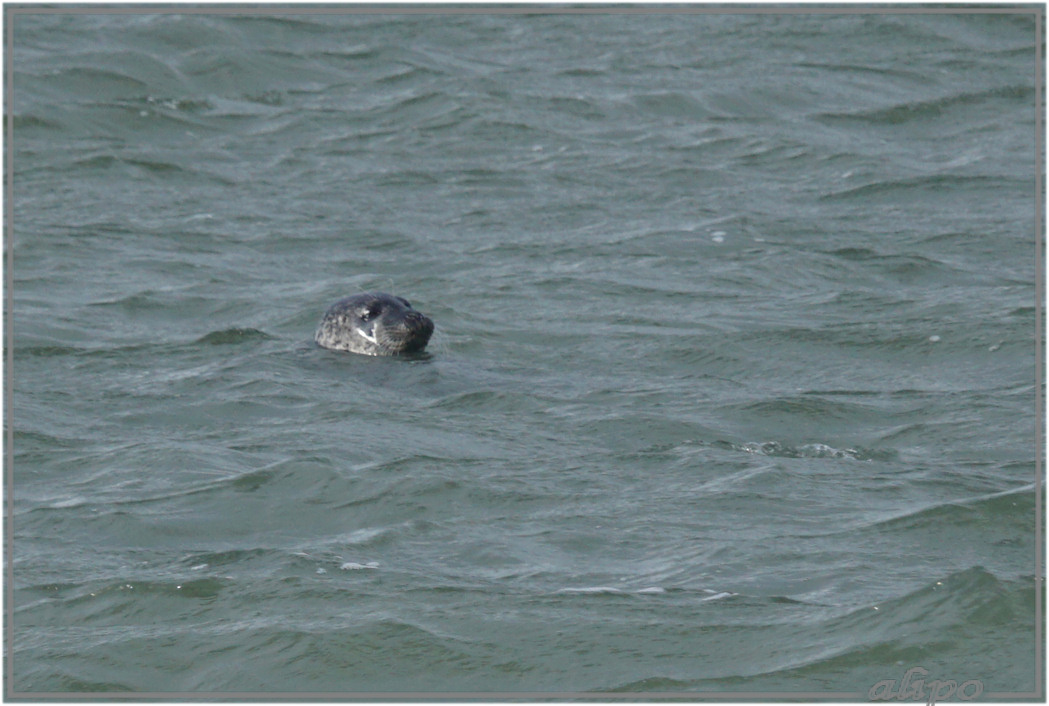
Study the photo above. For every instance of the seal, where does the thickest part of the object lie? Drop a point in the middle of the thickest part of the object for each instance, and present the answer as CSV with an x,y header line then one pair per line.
x,y
374,323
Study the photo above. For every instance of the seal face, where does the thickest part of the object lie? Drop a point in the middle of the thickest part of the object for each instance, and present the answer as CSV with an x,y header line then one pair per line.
x,y
374,323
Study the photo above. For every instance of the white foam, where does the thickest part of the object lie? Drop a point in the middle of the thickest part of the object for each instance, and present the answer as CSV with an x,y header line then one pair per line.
x,y
353,566
362,536
611,589
719,595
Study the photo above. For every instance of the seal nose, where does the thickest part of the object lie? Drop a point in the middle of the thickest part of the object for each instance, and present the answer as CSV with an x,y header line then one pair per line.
x,y
415,317
416,332
418,322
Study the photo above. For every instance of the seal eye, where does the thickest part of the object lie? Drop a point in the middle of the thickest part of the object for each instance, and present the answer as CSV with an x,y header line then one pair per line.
x,y
405,302
370,311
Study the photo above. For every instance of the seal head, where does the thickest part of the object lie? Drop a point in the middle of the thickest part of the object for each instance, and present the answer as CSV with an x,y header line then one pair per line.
x,y
374,323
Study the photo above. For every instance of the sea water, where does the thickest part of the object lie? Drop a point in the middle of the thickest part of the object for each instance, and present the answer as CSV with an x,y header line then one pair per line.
x,y
733,385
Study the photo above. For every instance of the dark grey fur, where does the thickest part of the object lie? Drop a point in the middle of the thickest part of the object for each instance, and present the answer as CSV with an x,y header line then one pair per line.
x,y
374,323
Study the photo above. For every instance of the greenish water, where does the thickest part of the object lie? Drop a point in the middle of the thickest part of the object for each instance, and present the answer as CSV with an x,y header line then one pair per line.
x,y
732,389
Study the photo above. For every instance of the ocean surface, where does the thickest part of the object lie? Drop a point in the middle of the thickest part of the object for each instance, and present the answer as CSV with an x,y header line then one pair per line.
x,y
732,390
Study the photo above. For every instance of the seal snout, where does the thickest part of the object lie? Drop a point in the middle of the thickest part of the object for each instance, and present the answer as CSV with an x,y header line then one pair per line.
x,y
419,323
419,329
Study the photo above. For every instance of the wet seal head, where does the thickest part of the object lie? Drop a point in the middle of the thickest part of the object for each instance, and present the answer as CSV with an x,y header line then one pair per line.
x,y
374,323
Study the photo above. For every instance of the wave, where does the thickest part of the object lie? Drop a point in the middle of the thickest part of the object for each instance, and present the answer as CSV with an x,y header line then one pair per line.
x,y
916,187
234,335
931,109
930,627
